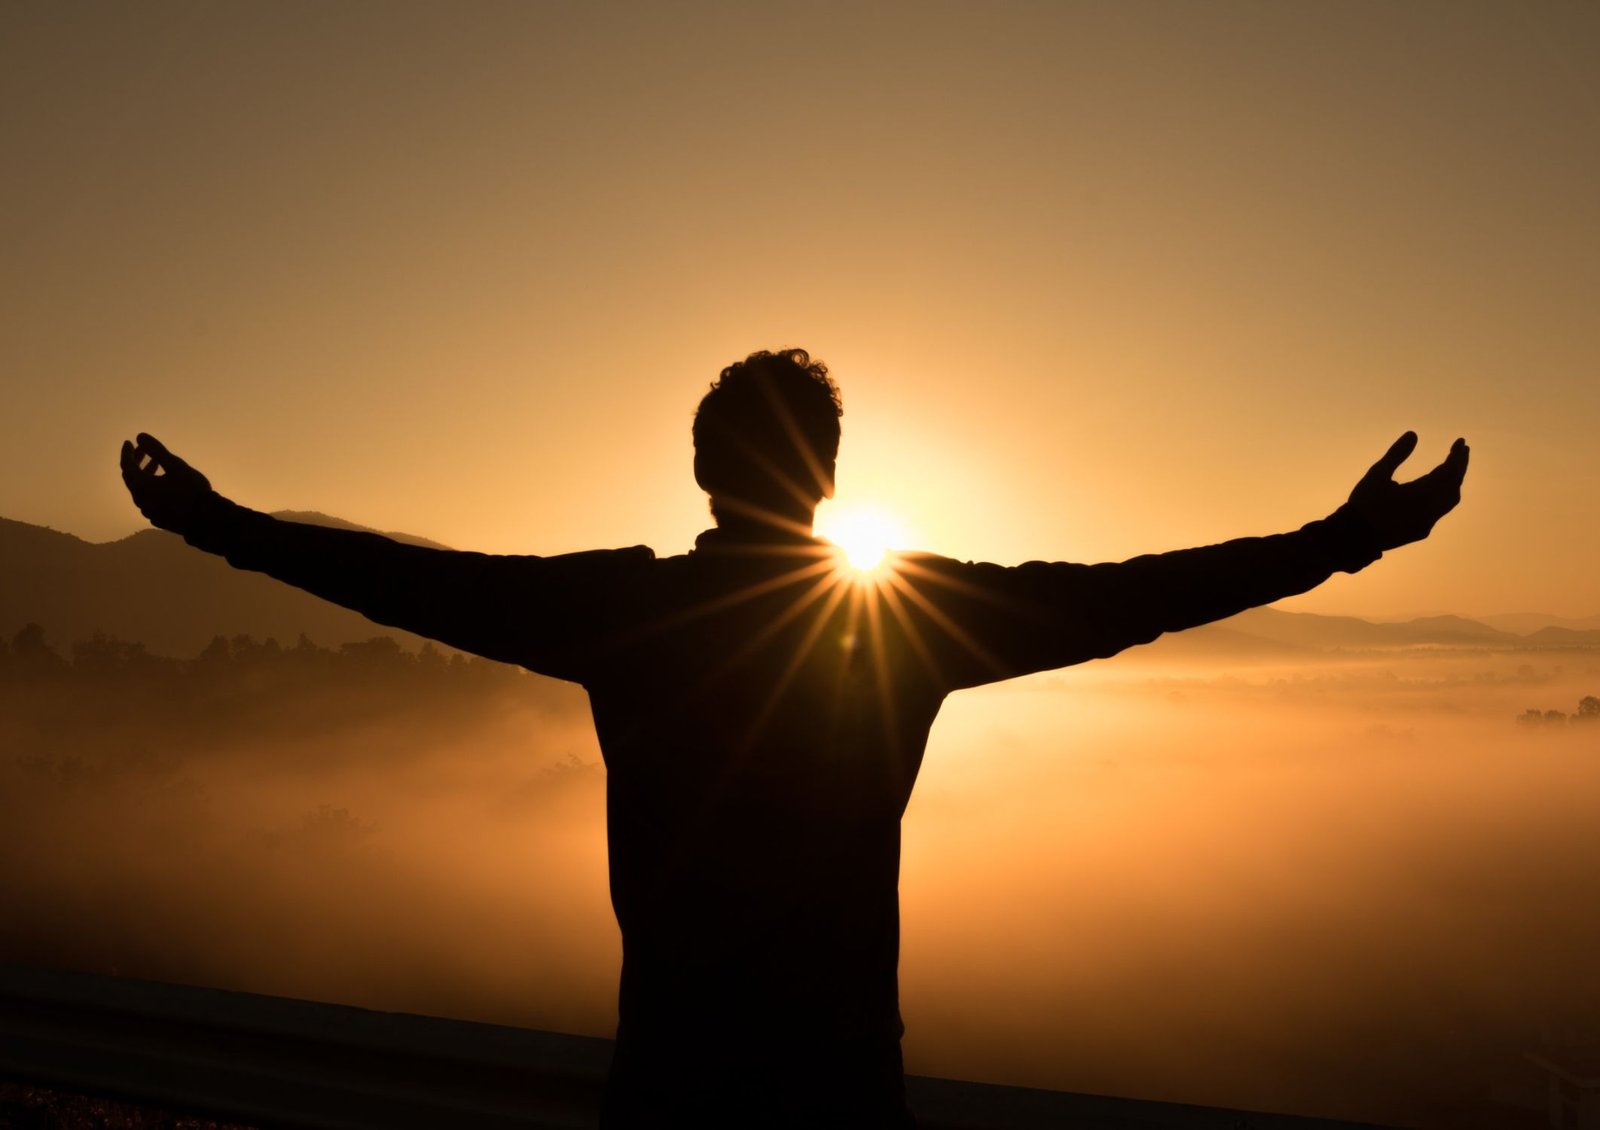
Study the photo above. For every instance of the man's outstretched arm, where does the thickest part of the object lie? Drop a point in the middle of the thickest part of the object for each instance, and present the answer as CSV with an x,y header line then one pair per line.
x,y
535,611
1001,622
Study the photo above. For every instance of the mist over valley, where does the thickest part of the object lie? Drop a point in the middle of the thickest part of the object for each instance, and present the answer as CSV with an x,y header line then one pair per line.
x,y
1287,862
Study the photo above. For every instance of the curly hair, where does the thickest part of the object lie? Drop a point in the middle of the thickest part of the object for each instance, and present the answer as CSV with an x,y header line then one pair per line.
x,y
768,430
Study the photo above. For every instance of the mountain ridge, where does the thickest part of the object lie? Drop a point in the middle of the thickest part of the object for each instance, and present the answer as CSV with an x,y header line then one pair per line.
x,y
151,588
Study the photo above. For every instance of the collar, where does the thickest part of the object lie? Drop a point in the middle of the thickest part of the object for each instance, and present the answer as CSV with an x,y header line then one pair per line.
x,y
755,539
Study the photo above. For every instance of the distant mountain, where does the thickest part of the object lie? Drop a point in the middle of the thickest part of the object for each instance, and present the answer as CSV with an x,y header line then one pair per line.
x,y
153,588
317,518
1310,630
1264,634
1524,623
1563,637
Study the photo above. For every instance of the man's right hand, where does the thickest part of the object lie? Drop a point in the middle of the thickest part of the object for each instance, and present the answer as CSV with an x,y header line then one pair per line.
x,y
164,488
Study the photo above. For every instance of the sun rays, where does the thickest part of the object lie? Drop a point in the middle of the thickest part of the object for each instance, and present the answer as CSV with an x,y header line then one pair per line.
x,y
853,610
865,534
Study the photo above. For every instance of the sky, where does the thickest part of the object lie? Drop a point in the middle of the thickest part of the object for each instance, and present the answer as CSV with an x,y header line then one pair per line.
x,y
1096,279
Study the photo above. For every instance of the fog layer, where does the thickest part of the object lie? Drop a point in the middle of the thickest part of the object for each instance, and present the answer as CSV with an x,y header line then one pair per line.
x,y
1356,887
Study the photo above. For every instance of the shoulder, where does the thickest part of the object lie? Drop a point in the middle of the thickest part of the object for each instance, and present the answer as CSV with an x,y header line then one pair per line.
x,y
600,566
953,572
634,556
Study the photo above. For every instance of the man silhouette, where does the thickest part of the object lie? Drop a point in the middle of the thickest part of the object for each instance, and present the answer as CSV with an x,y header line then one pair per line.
x,y
763,710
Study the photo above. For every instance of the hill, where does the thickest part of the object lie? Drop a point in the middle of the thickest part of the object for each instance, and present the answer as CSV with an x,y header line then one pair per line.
x,y
1527,622
153,588
1270,633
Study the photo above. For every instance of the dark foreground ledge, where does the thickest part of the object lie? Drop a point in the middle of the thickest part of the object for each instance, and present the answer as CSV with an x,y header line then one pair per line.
x,y
278,1062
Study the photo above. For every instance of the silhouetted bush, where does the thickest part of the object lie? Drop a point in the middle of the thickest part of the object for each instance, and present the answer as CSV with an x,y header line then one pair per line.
x,y
30,657
1588,711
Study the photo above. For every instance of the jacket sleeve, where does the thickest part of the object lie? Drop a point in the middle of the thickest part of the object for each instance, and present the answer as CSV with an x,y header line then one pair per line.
x,y
540,612
980,623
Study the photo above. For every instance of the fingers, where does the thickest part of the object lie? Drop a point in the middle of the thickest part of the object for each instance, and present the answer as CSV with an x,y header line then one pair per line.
x,y
160,458
152,472
129,461
1399,451
1453,468
150,456
133,461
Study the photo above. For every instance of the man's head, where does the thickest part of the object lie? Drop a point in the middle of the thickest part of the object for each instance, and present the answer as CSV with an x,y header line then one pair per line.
x,y
766,437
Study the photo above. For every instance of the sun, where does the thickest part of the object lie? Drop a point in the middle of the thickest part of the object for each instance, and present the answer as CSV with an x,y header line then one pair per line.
x,y
865,533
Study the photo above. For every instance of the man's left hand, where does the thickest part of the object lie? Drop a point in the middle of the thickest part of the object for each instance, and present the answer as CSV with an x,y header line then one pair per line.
x,y
1401,513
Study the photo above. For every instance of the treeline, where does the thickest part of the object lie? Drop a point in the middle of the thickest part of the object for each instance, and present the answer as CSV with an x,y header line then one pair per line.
x,y
239,686
26,656
1588,711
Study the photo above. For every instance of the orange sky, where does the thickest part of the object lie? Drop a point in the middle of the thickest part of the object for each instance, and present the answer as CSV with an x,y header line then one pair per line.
x,y
1096,279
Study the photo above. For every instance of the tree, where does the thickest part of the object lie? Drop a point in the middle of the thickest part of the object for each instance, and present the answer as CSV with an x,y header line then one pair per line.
x,y
1588,709
103,654
31,655
381,654
216,652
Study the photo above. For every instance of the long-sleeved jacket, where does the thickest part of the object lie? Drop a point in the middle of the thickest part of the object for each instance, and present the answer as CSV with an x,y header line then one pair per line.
x,y
763,712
